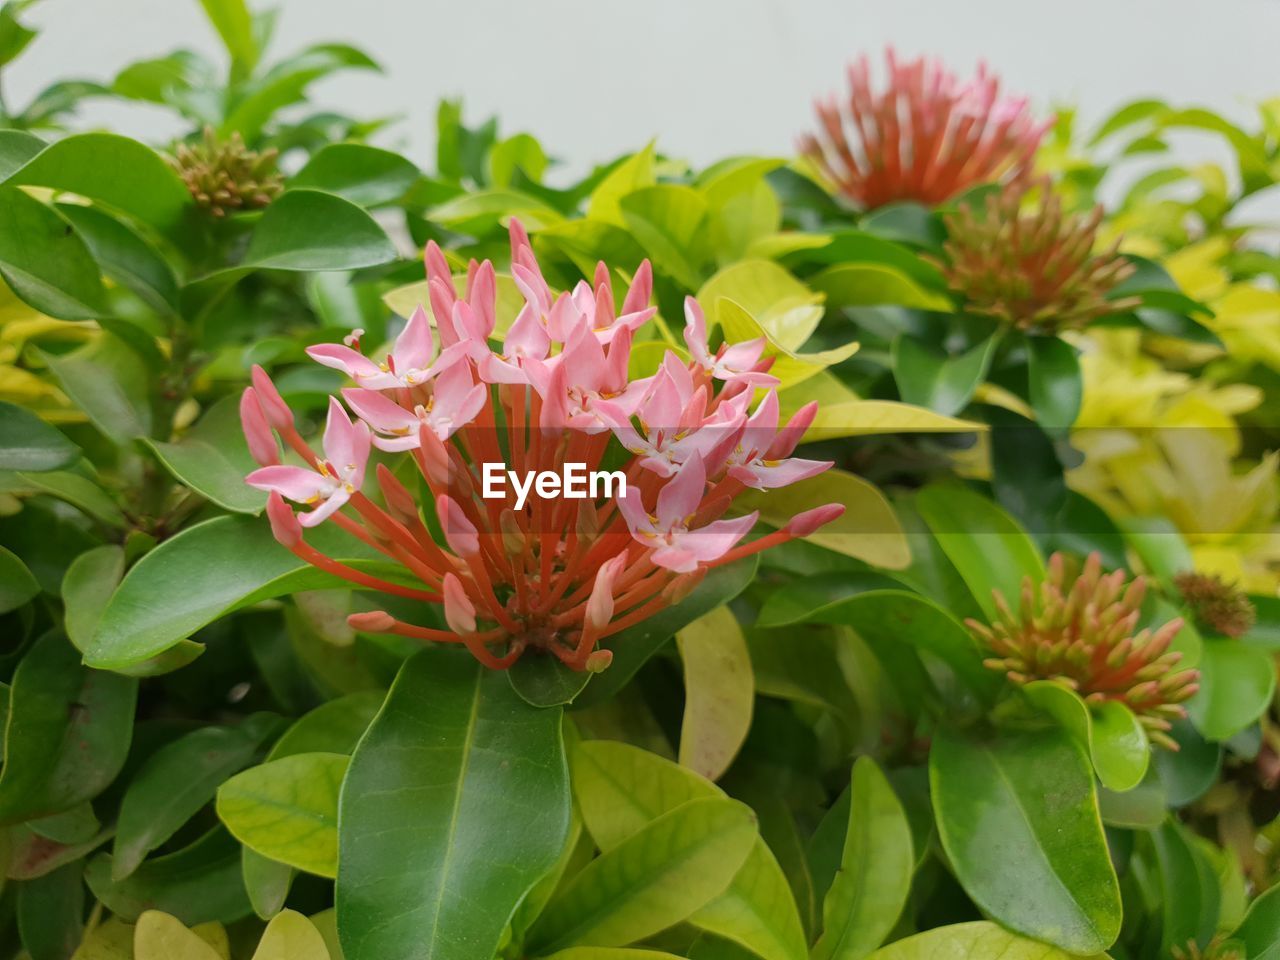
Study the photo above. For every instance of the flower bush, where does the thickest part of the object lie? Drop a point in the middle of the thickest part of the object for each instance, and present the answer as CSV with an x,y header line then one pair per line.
x,y
925,603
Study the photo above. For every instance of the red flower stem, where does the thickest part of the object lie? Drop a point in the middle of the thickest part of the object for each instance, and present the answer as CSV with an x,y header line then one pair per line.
x,y
304,551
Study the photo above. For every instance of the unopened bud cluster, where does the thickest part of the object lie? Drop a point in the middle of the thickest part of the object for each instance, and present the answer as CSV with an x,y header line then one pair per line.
x,y
225,175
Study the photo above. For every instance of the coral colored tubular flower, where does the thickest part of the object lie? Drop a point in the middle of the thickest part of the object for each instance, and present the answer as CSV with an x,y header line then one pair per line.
x,y
535,574
1032,266
1078,627
925,136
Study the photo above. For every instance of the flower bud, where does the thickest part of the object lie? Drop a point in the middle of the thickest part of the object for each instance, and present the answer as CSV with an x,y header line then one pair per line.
x,y
803,524
459,532
284,524
375,621
459,613
273,406
257,432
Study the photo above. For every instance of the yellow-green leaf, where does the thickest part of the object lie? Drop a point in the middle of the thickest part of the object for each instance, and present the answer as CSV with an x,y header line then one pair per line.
x,y
291,936
159,936
873,284
789,366
869,529
787,310
719,692
630,175
978,940
287,810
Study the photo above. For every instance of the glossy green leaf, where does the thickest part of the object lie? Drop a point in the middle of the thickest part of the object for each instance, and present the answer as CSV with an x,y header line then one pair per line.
x,y
1018,819
79,491
365,175
1161,548
652,880
1056,387
176,782
125,256
869,529
287,810
109,382
543,681
1191,894
1260,930
266,881
44,261
51,913
1109,732
86,588
333,727
944,383
234,23
621,788
213,459
633,173
978,940
870,889
28,443
785,308
196,884
113,170
611,953
1237,682
67,735
17,585
670,221
719,692
466,788
234,561
984,543
874,284
633,646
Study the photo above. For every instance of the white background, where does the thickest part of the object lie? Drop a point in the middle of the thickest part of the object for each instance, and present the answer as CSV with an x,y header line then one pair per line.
x,y
710,78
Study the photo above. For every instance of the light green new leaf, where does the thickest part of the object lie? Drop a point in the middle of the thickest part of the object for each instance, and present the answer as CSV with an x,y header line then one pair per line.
x,y
611,953
234,23
719,692
287,810
631,174
213,459
159,936
333,727
291,936
874,878
670,221
788,311
986,545
1018,818
874,284
465,788
28,443
978,940
621,788
869,529
1110,733
652,880
789,366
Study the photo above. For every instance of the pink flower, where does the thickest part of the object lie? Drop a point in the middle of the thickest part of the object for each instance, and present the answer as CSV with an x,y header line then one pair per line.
x,y
666,531
758,462
738,362
332,481
411,362
454,402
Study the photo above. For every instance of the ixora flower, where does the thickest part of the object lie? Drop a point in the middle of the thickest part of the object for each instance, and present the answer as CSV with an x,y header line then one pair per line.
x,y
558,572
1079,628
1031,266
1215,603
926,136
225,175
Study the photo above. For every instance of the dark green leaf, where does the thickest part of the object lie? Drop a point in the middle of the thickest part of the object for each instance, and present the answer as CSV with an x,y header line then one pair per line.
x,y
45,261
1053,373
27,443
108,381
942,382
124,256
51,913
17,585
357,172
213,459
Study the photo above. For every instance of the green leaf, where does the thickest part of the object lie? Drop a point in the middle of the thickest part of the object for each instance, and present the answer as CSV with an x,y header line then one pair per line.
x,y
879,610
1018,819
232,20
1110,733
610,953
869,529
108,381
874,284
652,880
1056,387
266,882
633,173
213,459
17,585
159,936
333,727
978,940
291,936
79,491
987,547
1191,895
635,645
1237,682
874,878
287,810
788,311
28,443
197,884
365,175
234,561
465,787
1161,548
67,735
115,171
621,788
719,692
1260,930
942,382
543,681
176,782
670,221
125,256
44,260
51,913
16,148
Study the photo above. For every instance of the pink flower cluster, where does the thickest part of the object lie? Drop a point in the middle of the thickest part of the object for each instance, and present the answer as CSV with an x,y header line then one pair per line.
x,y
925,137
552,574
